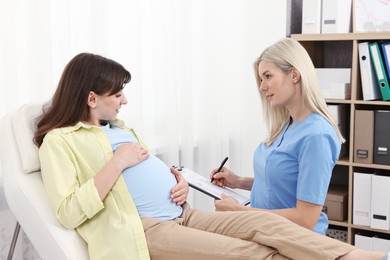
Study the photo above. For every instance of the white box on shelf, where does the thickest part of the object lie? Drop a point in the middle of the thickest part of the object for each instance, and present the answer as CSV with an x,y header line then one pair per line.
x,y
334,82
380,245
362,198
311,16
363,242
336,16
380,202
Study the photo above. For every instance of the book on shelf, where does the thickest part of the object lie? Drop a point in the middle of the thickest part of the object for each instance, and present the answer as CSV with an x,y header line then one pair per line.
x,y
380,71
386,56
369,83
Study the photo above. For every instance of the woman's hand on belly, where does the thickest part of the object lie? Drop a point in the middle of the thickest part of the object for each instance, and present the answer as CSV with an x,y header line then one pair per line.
x,y
130,154
180,191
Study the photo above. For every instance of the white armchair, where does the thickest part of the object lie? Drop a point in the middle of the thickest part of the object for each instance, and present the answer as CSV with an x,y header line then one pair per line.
x,y
25,193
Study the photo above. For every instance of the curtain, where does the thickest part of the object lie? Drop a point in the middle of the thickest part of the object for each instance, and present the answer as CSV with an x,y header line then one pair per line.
x,y
192,97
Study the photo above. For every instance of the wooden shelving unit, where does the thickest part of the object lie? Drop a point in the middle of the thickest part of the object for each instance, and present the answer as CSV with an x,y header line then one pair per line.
x,y
341,51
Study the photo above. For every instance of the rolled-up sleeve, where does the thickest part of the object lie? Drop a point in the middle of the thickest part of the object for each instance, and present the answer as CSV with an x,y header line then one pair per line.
x,y
74,201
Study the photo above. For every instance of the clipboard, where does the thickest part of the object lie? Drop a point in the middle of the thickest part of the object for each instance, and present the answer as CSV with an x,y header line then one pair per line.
x,y
203,184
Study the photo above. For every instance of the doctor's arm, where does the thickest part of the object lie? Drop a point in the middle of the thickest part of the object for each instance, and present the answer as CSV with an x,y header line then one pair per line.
x,y
305,214
226,178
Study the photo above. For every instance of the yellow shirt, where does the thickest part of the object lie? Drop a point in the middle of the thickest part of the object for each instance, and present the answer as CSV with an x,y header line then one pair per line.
x,y
70,157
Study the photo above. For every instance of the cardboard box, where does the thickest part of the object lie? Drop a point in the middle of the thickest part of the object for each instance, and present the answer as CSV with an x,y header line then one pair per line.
x,y
311,16
380,202
364,136
336,16
363,242
380,245
335,83
336,203
372,243
362,198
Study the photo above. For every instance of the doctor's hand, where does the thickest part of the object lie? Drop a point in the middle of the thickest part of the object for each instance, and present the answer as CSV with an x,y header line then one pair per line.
x,y
225,178
180,190
228,203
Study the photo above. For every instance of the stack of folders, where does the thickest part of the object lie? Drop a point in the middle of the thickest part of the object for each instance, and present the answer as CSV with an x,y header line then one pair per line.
x,y
372,139
375,70
371,207
326,16
371,200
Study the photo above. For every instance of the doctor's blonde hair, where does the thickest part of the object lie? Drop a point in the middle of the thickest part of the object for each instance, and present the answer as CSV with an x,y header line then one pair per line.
x,y
287,54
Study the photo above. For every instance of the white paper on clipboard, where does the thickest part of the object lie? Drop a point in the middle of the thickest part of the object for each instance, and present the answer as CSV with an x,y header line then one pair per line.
x,y
203,184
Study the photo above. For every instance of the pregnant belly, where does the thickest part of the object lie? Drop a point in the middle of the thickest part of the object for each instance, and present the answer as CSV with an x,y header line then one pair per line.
x,y
150,184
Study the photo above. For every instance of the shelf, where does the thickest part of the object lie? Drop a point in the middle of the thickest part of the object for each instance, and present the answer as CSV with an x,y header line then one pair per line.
x,y
367,228
358,102
341,51
338,101
343,162
342,36
338,223
372,103
372,166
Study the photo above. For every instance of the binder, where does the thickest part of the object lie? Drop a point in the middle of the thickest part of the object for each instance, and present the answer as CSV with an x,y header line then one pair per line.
x,y
294,17
336,16
311,16
382,137
386,56
362,198
369,83
380,71
380,202
364,136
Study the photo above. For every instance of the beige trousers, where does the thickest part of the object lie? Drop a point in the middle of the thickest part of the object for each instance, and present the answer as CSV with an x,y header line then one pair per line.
x,y
236,235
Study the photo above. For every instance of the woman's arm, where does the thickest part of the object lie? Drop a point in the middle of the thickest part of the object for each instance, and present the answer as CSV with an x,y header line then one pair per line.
x,y
180,190
76,184
126,155
73,198
246,183
226,178
305,214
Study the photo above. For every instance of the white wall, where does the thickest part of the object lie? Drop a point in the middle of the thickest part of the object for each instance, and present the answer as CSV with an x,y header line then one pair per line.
x,y
222,38
210,45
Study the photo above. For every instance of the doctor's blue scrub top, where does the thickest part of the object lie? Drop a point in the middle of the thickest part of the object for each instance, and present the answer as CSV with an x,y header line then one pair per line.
x,y
296,166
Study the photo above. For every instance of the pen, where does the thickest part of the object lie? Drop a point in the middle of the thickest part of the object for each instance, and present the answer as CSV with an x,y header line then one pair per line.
x,y
220,167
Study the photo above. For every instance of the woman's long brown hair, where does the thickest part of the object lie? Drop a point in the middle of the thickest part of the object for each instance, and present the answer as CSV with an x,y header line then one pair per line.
x,y
84,73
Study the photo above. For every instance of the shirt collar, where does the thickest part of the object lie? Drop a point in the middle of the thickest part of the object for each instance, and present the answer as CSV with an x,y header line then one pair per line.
x,y
78,125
